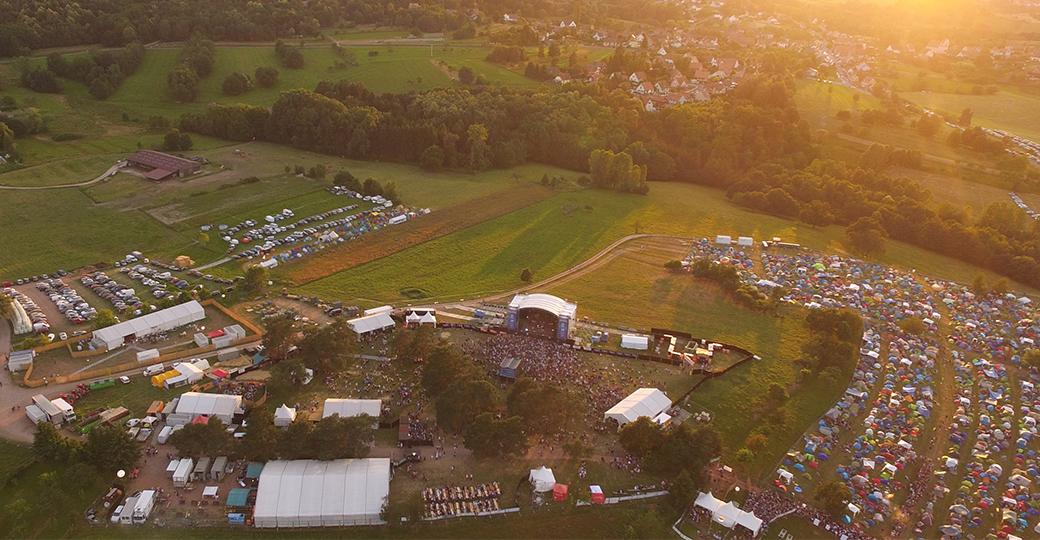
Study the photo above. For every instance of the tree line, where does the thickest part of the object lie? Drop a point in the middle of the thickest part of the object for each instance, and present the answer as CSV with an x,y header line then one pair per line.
x,y
102,71
479,127
25,26
874,206
196,62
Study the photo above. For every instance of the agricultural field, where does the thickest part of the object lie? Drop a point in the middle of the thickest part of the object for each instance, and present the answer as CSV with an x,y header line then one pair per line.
x,y
106,220
555,234
1009,109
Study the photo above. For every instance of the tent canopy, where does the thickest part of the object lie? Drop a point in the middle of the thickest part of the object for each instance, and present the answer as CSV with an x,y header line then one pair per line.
x,y
371,323
648,402
727,514
542,479
348,408
311,493
284,415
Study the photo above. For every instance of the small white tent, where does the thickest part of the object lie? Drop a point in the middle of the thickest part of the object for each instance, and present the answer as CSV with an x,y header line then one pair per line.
x,y
636,342
284,415
542,479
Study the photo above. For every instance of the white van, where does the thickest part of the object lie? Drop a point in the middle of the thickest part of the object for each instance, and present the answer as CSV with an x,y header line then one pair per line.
x,y
154,370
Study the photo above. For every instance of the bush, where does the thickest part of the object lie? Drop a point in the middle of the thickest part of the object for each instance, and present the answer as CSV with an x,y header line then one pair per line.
x,y
41,80
507,55
236,84
432,158
266,77
176,140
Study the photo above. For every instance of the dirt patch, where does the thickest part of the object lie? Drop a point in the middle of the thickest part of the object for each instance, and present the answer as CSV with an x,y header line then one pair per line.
x,y
390,240
445,68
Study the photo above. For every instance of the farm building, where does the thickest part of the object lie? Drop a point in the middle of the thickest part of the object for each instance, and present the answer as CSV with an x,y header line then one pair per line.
x,y
348,408
648,402
192,405
116,336
161,166
311,493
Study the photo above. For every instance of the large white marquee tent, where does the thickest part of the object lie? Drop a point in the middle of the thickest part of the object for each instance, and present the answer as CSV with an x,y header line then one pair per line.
x,y
349,408
728,515
115,336
311,493
648,402
371,323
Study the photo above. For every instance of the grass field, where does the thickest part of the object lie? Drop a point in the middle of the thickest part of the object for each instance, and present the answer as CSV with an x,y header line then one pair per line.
x,y
555,234
636,290
68,228
13,458
632,520
118,124
379,68
438,224
819,102
910,78
1008,109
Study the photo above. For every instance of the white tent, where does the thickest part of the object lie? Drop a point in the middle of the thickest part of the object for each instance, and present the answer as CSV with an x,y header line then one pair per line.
x,y
348,408
156,322
194,404
284,415
421,316
542,479
632,341
708,502
189,374
378,310
371,323
310,493
648,402
728,515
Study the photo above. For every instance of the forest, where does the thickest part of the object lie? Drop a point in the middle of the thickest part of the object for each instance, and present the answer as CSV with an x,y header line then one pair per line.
x,y
26,25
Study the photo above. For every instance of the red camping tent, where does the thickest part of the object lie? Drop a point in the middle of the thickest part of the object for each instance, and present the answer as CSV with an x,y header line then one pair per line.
x,y
597,494
560,492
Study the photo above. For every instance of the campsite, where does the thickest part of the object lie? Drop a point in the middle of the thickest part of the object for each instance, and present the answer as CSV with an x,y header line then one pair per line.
x,y
621,269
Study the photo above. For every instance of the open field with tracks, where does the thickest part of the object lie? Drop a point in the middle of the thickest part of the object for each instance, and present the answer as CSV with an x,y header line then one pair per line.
x,y
568,228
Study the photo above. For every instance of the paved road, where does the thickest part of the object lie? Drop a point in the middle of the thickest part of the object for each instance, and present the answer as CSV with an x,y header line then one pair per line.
x,y
111,170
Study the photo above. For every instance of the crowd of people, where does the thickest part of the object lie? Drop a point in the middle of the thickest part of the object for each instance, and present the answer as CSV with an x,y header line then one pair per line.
x,y
557,363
